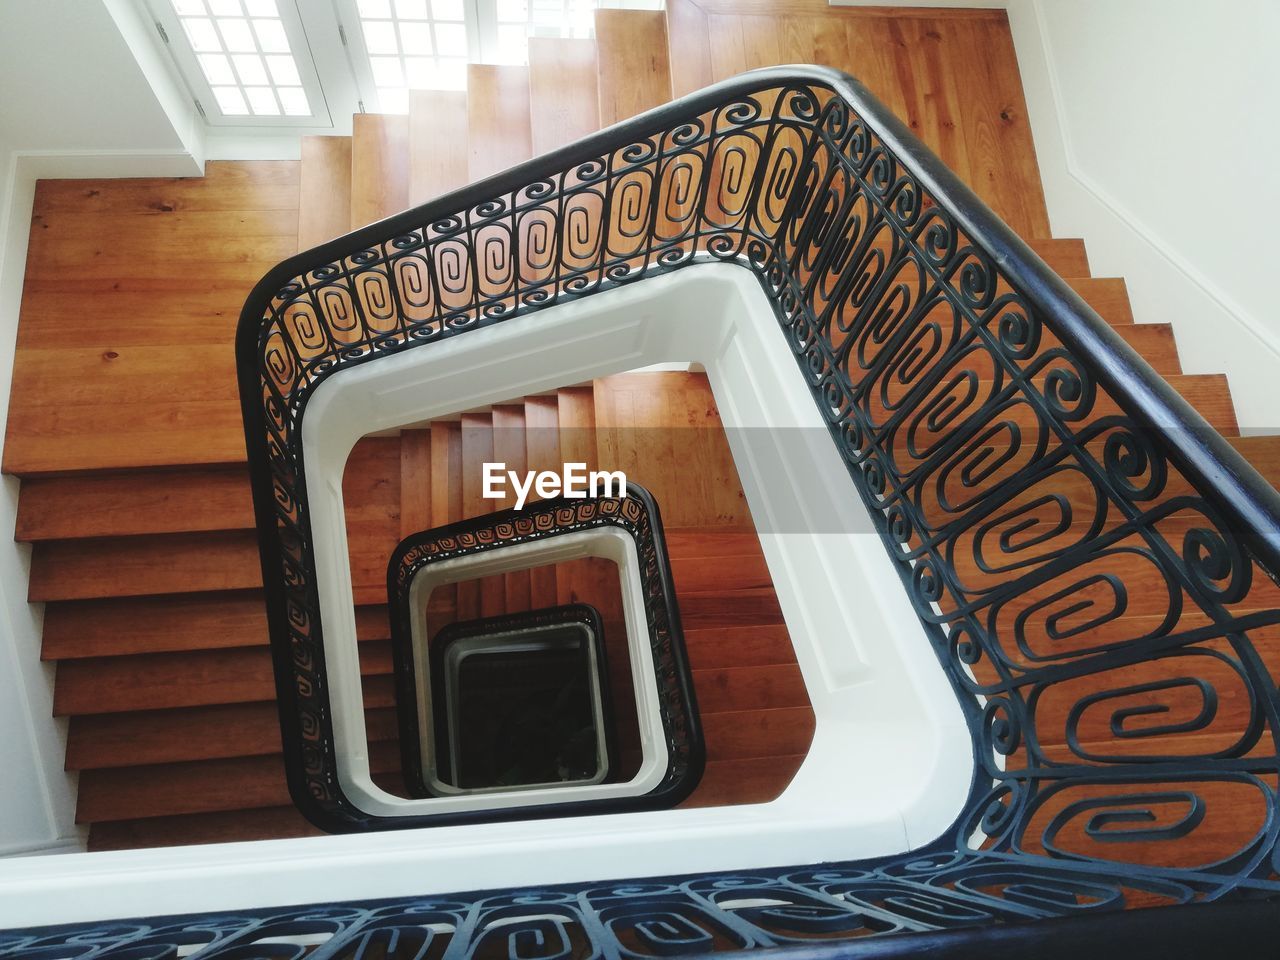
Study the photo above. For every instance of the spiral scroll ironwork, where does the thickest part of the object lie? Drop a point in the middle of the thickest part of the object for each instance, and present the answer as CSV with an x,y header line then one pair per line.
x,y
1107,619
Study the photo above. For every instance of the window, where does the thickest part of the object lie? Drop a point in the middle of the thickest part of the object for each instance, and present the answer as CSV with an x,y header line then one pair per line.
x,y
405,45
254,65
247,61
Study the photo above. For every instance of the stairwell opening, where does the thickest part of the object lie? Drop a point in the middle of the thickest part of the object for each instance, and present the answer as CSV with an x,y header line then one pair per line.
x,y
848,623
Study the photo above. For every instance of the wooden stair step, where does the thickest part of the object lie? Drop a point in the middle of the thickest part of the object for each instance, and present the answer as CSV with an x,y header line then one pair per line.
x,y
205,786
742,734
123,434
576,412
124,504
542,451
1065,257
751,607
751,780
122,626
157,681
728,573
324,210
634,69
1109,296
745,646
379,167
1157,345
233,826
563,91
98,741
498,125
437,143
415,481
1263,453
485,596
510,446
724,689
141,566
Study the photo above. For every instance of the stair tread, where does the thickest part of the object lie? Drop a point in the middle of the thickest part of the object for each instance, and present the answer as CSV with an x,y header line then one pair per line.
x,y
192,678
241,783
211,732
437,143
747,780
1109,296
634,71
326,184
234,826
138,502
498,123
379,167
123,626
563,91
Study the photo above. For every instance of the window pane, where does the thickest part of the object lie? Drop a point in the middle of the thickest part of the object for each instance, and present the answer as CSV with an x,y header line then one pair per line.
x,y
202,36
237,36
451,39
374,9
225,8
263,102
380,37
393,99
271,36
416,38
513,43
284,71
513,11
421,72
386,71
447,9
451,75
249,66
411,9
230,102
294,100
217,69
189,8
261,8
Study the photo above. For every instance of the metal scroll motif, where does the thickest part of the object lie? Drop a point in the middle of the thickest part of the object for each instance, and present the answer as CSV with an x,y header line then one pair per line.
x,y
1108,636
637,515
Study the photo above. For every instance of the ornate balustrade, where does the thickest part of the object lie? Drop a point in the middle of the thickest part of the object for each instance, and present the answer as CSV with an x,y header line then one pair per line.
x,y
1093,567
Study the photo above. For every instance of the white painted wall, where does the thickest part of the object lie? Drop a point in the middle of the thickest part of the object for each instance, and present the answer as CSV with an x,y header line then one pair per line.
x,y
1154,128
85,93
1154,123
36,797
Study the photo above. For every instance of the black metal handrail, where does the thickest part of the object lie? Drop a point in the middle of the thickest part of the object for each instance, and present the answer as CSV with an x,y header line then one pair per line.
x,y
1092,564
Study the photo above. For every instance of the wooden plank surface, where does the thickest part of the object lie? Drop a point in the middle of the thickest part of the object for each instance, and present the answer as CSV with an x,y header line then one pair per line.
x,y
563,91
499,129
324,205
689,44
437,143
124,504
634,71
379,167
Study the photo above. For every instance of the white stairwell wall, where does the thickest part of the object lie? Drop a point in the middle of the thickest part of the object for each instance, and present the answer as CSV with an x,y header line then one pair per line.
x,y
1154,130
85,93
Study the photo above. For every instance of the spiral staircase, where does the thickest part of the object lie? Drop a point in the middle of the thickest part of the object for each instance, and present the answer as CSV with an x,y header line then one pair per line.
x,y
136,498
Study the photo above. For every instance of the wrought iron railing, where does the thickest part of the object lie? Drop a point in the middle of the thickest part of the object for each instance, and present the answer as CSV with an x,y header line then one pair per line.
x,y
1092,565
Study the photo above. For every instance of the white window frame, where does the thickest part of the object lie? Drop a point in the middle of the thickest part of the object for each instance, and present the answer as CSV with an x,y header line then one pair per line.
x,y
162,13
